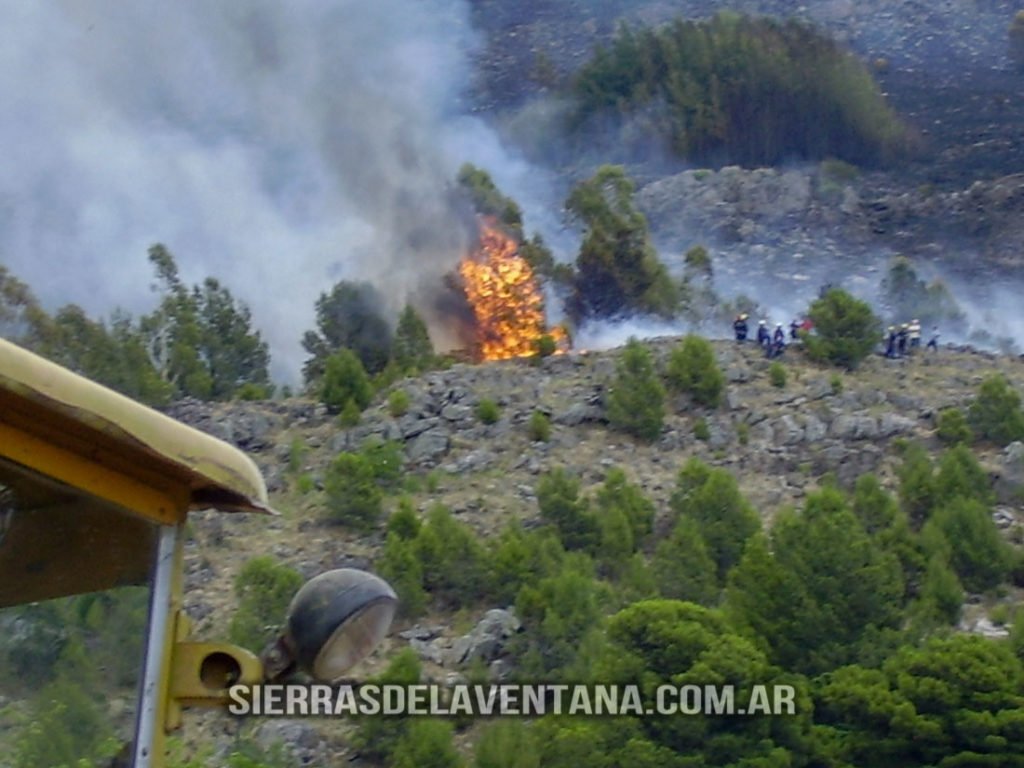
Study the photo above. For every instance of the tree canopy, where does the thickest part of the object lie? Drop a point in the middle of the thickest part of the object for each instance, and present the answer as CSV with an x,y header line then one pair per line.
x,y
618,272
736,89
349,317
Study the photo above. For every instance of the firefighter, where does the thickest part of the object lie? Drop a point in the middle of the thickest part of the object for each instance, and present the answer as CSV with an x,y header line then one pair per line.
x,y
778,341
794,329
890,341
763,337
740,327
933,342
901,338
915,333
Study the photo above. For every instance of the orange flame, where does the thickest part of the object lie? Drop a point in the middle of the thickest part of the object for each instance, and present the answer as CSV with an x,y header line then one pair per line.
x,y
505,297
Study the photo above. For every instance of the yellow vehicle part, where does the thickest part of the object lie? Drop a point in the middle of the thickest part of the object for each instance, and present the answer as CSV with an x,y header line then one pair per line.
x,y
87,474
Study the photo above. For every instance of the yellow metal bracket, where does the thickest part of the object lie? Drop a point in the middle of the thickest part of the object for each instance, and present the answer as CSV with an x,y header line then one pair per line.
x,y
202,673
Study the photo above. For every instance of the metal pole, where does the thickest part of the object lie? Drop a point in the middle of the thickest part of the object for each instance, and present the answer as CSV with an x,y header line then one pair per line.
x,y
149,723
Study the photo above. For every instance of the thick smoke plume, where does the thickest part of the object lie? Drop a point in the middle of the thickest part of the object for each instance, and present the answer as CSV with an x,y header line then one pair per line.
x,y
278,146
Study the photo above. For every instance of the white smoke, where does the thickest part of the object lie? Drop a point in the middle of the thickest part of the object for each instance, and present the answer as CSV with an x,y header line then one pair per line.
x,y
277,146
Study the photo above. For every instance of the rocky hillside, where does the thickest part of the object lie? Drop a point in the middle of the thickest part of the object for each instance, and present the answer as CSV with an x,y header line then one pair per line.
x,y
831,216
945,66
778,442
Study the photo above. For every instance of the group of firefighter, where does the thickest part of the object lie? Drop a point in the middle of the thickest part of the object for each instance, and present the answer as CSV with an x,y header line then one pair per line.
x,y
772,342
899,341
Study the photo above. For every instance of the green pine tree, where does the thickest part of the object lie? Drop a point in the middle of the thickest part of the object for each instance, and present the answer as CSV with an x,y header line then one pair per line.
x,y
636,400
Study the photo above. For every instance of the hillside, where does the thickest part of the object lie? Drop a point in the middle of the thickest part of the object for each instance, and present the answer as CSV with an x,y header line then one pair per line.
x,y
843,531
487,475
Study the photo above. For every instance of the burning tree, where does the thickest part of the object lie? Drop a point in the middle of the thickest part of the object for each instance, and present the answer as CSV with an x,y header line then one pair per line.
x,y
505,297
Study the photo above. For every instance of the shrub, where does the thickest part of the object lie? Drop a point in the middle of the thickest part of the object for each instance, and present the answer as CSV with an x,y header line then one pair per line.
x,y
353,494
618,493
305,483
398,403
777,374
960,475
507,744
264,588
546,345
517,558
952,427
743,433
558,496
451,557
67,728
539,427
996,414
377,737
978,553
701,430
246,753
297,451
250,391
845,329
838,171
941,593
411,349
558,613
836,383
917,483
636,402
386,461
615,543
400,566
345,381
487,411
404,522
683,568
712,499
692,369
350,415
426,744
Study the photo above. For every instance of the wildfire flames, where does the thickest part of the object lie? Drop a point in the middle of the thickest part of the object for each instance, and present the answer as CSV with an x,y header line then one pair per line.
x,y
505,297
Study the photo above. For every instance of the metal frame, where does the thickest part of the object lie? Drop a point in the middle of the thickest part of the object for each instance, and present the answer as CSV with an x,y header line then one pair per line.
x,y
95,473
151,717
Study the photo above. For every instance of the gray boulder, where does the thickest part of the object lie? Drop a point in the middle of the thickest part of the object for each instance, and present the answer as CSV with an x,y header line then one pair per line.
x,y
429,445
890,424
487,639
853,426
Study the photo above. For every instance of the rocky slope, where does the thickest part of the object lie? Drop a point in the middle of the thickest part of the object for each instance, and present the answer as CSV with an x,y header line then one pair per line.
x,y
837,223
777,442
946,69
945,66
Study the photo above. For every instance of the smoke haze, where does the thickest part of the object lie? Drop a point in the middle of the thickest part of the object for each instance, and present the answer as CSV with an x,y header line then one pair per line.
x,y
282,147
277,146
